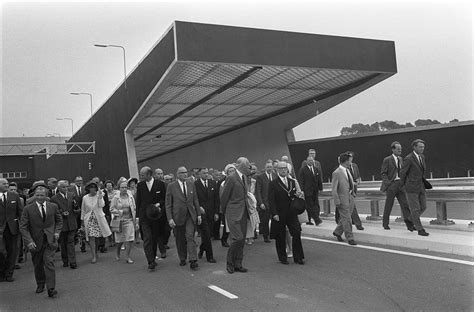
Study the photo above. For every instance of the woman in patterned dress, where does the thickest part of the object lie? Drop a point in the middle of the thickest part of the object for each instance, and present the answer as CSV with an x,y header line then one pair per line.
x,y
93,218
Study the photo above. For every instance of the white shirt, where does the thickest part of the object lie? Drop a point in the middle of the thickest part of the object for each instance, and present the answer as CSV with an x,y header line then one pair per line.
x,y
181,184
204,182
149,184
311,168
39,208
344,169
397,161
63,195
284,180
419,157
4,198
269,176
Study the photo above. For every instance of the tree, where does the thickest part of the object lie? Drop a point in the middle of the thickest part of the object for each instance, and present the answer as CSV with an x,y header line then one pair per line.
x,y
426,122
454,120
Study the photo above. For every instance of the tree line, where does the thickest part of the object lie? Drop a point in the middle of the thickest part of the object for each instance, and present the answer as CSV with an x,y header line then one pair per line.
x,y
386,125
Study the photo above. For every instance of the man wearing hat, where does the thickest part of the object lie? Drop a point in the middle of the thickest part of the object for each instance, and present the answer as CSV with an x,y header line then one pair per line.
x,y
150,202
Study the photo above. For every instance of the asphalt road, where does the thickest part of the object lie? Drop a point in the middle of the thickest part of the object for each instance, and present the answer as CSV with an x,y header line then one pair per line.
x,y
336,277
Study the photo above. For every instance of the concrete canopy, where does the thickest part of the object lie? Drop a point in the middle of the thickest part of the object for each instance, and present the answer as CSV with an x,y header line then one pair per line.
x,y
221,79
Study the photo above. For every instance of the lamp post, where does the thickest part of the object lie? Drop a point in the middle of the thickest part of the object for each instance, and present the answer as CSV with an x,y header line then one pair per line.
x,y
72,124
124,59
83,93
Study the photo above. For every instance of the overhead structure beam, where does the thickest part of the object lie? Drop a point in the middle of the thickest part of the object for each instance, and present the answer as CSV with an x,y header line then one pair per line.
x,y
35,149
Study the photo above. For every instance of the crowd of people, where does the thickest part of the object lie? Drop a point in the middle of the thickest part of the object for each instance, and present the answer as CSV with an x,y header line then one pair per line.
x,y
235,206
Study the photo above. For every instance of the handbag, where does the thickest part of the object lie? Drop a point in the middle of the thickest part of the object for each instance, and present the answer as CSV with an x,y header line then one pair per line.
x,y
298,205
116,225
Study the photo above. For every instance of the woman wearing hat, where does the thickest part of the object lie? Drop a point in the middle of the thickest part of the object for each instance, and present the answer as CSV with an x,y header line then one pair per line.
x,y
123,208
93,217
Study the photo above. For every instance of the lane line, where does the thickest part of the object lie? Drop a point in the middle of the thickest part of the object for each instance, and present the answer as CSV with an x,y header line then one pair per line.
x,y
412,254
222,292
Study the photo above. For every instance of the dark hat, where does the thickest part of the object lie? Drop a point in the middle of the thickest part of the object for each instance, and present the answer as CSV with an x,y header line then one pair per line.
x,y
37,184
298,205
153,212
91,184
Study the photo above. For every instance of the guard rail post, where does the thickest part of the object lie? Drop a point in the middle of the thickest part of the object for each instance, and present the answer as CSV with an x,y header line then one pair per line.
x,y
327,208
441,214
374,211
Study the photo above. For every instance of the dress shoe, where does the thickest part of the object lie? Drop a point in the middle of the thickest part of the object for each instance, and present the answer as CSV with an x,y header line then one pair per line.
x,y
299,261
225,244
212,260
339,237
360,227
151,267
230,268
39,289
163,255
240,269
386,227
309,223
52,292
267,240
130,261
21,260
9,279
423,233
318,222
65,264
16,267
352,242
284,262
182,262
167,247
94,260
193,264
200,253
410,227
73,266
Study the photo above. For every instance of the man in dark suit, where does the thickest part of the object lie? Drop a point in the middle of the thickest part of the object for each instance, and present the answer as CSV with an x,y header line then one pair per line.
x,y
311,182
53,187
41,223
182,210
281,191
261,194
11,208
69,210
78,190
234,206
390,172
411,176
208,196
150,203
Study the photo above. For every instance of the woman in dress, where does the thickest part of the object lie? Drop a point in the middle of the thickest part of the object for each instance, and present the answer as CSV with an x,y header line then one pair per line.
x,y
254,219
111,192
93,218
123,208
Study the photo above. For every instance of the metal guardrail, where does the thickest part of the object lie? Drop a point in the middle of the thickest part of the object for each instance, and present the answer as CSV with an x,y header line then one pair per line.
x,y
444,191
48,149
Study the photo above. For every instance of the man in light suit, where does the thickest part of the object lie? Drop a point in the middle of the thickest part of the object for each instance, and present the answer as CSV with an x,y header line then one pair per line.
x,y
208,196
261,194
234,205
343,195
40,226
391,184
411,176
311,182
11,208
151,195
69,210
182,210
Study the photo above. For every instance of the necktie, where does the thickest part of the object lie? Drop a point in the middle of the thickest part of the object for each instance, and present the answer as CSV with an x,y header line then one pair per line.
x,y
312,169
79,191
421,162
4,199
349,177
269,177
398,166
205,183
286,182
184,189
44,212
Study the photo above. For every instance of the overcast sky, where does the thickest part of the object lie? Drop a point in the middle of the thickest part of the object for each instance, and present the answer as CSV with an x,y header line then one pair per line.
x,y
47,52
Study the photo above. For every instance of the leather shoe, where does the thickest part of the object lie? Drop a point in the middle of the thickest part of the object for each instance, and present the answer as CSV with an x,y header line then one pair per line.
x,y
200,253
39,289
386,227
360,227
423,233
240,269
182,263
212,260
410,227
318,222
352,242
284,262
65,265
52,292
152,266
193,265
339,237
163,255
300,261
225,244
309,223
9,279
266,240
230,268
73,266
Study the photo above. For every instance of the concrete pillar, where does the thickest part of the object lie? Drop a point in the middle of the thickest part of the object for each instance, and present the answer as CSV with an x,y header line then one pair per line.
x,y
131,155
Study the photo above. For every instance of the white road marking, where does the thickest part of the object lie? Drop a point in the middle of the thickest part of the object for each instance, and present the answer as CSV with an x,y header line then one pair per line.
x,y
223,292
392,251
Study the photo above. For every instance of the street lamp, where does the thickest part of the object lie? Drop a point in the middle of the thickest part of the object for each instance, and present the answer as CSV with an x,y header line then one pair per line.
x,y
72,124
124,59
83,93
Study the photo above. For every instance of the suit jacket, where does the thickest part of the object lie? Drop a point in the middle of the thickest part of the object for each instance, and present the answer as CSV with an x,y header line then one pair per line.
x,y
67,205
50,192
10,213
411,174
389,171
261,189
146,197
310,183
280,196
178,205
208,197
354,170
33,228
234,198
78,197
341,187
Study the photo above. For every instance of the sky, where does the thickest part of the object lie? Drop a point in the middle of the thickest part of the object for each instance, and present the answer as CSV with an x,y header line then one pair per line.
x,y
47,52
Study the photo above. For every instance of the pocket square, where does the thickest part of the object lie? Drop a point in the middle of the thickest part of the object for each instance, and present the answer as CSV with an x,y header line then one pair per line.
x,y
158,192
13,202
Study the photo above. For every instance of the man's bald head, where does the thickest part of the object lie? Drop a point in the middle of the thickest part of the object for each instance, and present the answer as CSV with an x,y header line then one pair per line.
x,y
146,173
3,185
243,165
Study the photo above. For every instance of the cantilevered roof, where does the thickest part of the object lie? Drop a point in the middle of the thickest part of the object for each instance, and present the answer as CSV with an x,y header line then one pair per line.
x,y
223,78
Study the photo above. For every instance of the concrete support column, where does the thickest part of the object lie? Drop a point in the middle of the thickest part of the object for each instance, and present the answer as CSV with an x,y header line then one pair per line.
x,y
131,155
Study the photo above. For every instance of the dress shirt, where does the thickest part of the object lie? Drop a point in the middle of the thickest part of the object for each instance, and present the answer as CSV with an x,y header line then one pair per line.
x,y
311,168
397,162
4,197
40,210
204,182
419,158
149,184
181,184
284,180
269,176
